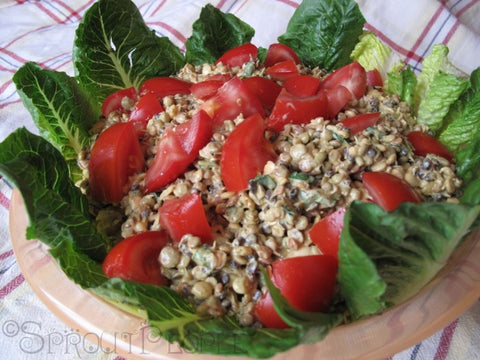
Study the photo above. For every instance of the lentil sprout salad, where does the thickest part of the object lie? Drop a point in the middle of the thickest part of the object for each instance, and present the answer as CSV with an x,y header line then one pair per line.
x,y
249,184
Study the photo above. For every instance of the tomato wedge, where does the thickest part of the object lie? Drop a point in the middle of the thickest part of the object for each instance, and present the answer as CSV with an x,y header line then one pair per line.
x,y
302,85
232,99
114,101
337,98
424,144
360,122
165,86
326,232
185,215
283,70
266,90
146,108
245,153
387,190
238,55
136,258
290,109
374,78
115,156
206,89
353,76
278,52
307,282
177,149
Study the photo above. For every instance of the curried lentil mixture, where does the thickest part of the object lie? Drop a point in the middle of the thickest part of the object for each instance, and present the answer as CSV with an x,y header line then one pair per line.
x,y
318,170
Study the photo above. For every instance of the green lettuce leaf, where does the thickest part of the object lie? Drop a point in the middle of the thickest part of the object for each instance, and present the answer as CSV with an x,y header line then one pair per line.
x,y
114,49
442,92
213,34
402,82
324,32
60,109
56,208
407,246
463,118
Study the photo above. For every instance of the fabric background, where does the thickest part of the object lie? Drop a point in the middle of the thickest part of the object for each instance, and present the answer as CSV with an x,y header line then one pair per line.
x,y
43,31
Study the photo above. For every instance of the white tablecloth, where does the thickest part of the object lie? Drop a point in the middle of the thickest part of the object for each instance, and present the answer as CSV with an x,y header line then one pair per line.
x,y
43,31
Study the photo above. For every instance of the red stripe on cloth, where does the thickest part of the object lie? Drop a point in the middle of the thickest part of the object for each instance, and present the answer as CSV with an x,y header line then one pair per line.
x,y
451,32
13,55
12,285
424,33
158,7
48,12
4,201
221,3
171,29
119,358
73,12
466,7
288,2
445,340
9,103
6,254
399,49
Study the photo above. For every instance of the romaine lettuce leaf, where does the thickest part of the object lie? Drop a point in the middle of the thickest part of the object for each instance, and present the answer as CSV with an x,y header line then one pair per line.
x,y
324,32
114,49
463,118
402,82
60,109
407,246
213,33
56,208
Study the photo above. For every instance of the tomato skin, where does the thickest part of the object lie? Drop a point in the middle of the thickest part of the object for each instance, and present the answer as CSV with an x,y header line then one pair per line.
x,y
245,153
185,215
337,98
387,190
283,70
424,144
206,89
307,282
165,86
136,258
353,76
238,55
232,98
279,52
360,122
326,232
147,107
266,90
374,78
115,156
114,101
177,149
290,109
302,85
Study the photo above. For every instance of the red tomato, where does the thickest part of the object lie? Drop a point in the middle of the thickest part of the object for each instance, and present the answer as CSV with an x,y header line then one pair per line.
x,y
245,153
238,55
147,107
185,215
307,282
290,109
283,70
206,89
337,98
326,232
302,85
424,144
177,149
264,89
352,76
114,101
115,156
232,99
280,52
165,86
136,258
374,78
387,190
360,122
